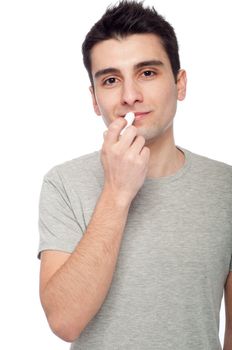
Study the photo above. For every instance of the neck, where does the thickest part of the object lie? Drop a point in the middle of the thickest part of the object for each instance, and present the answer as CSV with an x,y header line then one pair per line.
x,y
165,158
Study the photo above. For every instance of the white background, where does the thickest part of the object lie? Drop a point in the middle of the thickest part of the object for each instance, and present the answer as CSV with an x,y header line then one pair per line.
x,y
47,118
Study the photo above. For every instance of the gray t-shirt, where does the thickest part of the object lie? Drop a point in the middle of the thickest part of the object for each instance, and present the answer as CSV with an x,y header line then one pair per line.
x,y
174,258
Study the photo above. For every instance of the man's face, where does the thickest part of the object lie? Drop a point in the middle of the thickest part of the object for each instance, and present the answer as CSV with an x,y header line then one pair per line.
x,y
134,74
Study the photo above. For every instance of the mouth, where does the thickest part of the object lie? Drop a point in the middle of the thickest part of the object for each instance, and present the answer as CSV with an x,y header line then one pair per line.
x,y
141,115
138,114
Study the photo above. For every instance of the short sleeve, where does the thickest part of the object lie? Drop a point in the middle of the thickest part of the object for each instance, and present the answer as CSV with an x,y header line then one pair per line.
x,y
58,226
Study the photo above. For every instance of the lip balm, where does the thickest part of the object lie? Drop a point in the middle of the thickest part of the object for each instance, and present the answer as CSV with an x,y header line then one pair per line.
x,y
130,117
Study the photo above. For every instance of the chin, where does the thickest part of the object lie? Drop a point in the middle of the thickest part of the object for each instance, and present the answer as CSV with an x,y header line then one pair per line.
x,y
149,134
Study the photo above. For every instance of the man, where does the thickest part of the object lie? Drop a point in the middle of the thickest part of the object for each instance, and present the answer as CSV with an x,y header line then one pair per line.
x,y
136,239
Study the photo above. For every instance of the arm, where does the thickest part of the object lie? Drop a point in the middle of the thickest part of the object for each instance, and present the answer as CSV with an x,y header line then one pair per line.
x,y
228,312
74,286
72,294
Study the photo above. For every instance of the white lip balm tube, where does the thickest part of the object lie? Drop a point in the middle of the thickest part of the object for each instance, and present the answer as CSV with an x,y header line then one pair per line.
x,y
130,117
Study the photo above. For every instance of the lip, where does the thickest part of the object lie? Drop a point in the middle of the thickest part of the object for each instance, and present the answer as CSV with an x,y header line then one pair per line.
x,y
140,115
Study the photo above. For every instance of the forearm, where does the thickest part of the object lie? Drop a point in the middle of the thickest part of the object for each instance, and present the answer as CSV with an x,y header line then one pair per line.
x,y
77,290
228,339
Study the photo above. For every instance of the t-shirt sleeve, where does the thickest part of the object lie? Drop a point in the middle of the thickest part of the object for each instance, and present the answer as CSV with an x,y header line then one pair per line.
x,y
231,264
58,225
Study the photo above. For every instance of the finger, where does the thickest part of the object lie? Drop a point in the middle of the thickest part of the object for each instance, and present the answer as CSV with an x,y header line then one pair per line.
x,y
138,144
114,130
145,153
128,136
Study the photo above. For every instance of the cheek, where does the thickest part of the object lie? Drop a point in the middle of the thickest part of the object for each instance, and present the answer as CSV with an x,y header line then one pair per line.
x,y
107,104
101,104
168,100
105,109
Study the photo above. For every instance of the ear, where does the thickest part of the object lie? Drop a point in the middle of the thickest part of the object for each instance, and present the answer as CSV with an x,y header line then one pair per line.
x,y
94,101
181,84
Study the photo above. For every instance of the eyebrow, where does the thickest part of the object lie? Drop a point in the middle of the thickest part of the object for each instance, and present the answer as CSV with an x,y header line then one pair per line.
x,y
112,70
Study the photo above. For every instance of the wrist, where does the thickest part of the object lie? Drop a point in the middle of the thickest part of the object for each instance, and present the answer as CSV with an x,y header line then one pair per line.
x,y
114,198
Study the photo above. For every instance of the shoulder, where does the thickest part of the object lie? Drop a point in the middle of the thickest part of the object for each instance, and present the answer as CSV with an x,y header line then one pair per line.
x,y
207,163
211,170
80,168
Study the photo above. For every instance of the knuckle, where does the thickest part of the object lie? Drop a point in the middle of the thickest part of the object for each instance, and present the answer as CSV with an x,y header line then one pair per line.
x,y
139,161
146,152
113,127
116,124
116,152
130,157
141,139
104,150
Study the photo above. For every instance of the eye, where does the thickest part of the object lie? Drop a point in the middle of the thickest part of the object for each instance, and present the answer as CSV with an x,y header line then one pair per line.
x,y
109,81
149,73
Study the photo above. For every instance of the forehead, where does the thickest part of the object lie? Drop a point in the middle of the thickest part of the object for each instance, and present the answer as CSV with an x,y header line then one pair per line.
x,y
127,52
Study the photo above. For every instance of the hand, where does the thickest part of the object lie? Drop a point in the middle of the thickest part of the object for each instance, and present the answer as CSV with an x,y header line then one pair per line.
x,y
125,160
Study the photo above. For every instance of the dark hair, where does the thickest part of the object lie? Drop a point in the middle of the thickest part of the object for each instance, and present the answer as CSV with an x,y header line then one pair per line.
x,y
127,18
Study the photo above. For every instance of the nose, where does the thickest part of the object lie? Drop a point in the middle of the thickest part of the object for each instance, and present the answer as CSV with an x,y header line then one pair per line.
x,y
131,93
